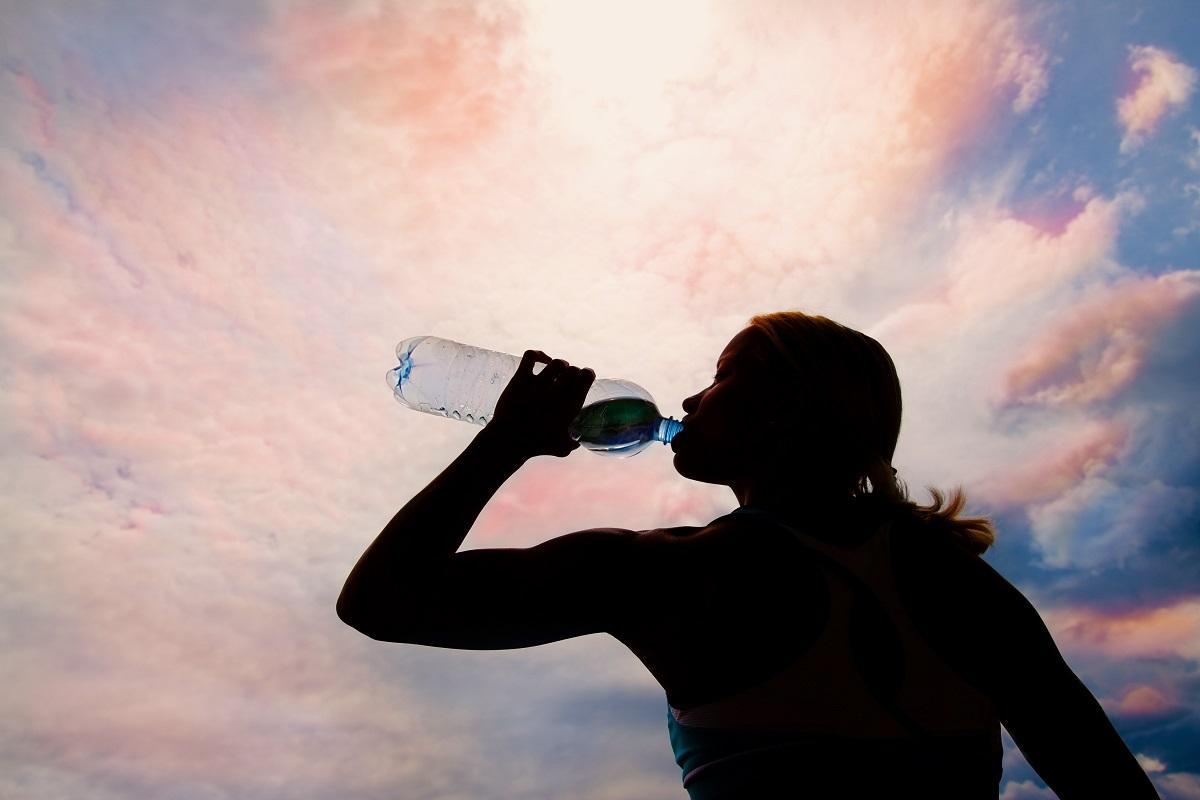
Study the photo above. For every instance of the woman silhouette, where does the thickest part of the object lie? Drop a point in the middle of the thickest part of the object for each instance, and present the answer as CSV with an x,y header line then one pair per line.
x,y
828,638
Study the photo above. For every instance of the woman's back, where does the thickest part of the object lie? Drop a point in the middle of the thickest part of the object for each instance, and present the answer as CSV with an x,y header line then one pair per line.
x,y
860,685
907,687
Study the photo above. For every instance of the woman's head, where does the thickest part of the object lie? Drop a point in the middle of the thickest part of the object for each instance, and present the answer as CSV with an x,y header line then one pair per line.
x,y
799,403
804,412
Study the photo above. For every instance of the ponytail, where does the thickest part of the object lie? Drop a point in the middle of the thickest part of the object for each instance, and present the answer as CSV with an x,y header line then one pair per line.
x,y
974,534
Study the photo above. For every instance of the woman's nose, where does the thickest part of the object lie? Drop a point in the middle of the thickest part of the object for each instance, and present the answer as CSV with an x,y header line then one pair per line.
x,y
689,405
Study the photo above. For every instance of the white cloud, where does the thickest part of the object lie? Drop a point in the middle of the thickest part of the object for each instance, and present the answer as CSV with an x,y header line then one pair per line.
x,y
1150,763
1172,629
1178,786
1026,790
1164,85
1193,157
1100,522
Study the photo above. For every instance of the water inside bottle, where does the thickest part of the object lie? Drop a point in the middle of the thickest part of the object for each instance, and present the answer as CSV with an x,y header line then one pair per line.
x,y
620,424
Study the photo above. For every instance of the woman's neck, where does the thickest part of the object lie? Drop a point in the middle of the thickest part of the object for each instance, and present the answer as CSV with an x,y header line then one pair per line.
x,y
843,521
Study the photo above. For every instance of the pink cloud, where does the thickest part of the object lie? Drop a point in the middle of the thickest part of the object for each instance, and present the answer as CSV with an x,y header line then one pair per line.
x,y
1003,282
998,261
1179,786
1052,215
1168,630
1098,346
421,90
36,96
1056,465
441,77
1142,700
1165,84
524,513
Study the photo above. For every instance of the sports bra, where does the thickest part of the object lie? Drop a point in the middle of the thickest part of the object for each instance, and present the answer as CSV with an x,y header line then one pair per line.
x,y
836,714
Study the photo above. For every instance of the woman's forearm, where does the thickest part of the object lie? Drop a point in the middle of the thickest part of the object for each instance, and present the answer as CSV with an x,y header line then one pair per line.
x,y
1111,766
432,526
1073,746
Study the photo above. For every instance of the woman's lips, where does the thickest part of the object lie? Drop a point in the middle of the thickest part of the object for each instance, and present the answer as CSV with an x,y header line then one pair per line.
x,y
682,431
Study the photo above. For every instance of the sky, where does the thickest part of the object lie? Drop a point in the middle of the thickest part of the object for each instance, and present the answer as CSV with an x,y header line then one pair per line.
x,y
217,220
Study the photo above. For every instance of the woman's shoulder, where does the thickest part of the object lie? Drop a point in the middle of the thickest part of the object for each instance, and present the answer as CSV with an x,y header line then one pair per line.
x,y
919,550
971,613
722,525
728,544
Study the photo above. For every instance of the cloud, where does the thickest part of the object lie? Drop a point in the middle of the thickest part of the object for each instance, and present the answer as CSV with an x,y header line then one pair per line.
x,y
1024,66
1164,84
1106,520
439,78
1026,790
1144,633
998,261
1064,330
1150,764
1170,785
1193,158
1179,786
1097,346
1143,700
1065,409
1055,464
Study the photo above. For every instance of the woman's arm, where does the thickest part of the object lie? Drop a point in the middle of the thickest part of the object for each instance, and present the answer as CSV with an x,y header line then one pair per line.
x,y
1062,731
993,636
531,419
429,529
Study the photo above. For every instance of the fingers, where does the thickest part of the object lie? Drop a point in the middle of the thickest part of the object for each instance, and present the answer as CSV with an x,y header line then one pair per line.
x,y
566,376
530,357
554,367
583,382
557,370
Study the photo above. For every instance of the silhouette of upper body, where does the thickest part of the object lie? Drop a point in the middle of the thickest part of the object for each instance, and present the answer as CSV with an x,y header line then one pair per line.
x,y
809,643
848,679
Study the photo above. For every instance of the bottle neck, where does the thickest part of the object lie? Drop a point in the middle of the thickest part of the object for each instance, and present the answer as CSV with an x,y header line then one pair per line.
x,y
666,429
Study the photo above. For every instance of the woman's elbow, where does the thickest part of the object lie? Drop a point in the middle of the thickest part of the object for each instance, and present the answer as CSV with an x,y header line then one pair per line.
x,y
349,609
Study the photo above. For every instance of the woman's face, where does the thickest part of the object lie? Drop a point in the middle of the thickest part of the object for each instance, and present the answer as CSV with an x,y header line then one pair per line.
x,y
724,437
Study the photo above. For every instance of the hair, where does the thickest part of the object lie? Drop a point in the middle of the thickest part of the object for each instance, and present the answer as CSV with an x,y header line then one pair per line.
x,y
850,386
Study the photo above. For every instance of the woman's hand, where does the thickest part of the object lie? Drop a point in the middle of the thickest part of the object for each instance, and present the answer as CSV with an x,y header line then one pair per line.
x,y
534,411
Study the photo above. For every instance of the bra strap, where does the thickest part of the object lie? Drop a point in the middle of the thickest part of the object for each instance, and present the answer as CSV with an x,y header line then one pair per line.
x,y
870,600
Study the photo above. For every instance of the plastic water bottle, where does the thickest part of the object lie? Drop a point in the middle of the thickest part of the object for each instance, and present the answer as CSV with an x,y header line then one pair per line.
x,y
443,377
